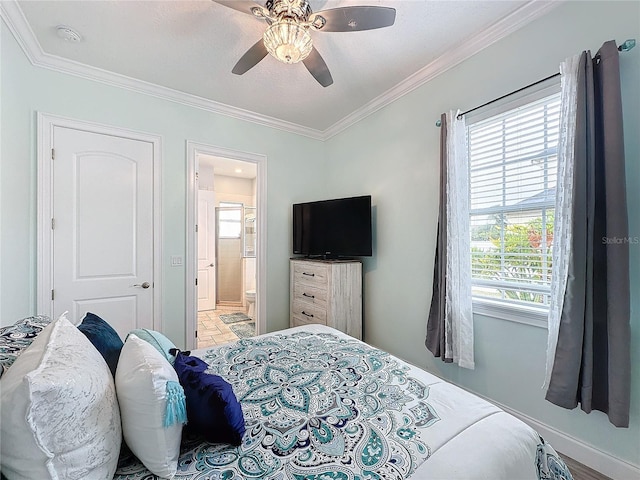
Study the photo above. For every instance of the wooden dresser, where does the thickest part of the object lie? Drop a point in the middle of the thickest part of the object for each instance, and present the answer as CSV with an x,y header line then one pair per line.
x,y
327,292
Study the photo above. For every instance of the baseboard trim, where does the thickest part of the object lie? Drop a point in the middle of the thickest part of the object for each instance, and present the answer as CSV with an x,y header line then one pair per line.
x,y
586,454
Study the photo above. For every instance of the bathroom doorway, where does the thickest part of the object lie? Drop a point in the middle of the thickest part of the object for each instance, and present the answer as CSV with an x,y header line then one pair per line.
x,y
229,186
227,198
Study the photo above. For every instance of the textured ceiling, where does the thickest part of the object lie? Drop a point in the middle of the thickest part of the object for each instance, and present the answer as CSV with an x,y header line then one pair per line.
x,y
191,47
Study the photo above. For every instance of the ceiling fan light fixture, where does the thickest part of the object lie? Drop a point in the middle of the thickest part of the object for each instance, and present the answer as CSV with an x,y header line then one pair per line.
x,y
288,41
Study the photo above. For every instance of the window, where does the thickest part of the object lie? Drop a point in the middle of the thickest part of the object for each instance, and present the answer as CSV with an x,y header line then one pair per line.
x,y
229,220
512,175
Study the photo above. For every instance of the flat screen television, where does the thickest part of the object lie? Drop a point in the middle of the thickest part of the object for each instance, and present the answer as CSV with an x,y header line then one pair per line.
x,y
333,228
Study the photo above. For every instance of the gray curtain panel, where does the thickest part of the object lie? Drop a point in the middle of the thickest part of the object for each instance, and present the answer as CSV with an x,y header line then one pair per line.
x,y
592,364
435,341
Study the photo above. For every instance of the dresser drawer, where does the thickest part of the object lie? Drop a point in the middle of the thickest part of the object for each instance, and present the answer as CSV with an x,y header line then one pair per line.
x,y
308,294
310,274
301,322
326,293
309,313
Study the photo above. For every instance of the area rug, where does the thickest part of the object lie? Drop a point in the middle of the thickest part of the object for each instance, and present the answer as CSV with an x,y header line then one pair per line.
x,y
244,330
234,317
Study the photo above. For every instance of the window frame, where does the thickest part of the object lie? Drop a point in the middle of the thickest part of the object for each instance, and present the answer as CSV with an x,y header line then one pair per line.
x,y
525,314
230,206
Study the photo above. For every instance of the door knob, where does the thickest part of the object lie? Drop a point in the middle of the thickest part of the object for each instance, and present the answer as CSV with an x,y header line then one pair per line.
x,y
143,285
211,265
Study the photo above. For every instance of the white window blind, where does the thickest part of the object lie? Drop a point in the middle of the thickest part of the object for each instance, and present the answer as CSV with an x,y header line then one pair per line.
x,y
512,166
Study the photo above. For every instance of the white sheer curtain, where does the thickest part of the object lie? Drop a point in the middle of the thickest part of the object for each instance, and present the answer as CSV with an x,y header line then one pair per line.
x,y
562,231
458,309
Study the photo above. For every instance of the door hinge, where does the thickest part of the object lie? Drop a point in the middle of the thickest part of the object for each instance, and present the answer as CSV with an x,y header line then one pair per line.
x,y
196,333
196,282
196,228
53,154
53,223
52,295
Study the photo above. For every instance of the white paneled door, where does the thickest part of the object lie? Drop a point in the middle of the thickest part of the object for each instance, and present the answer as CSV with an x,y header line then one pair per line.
x,y
103,231
206,250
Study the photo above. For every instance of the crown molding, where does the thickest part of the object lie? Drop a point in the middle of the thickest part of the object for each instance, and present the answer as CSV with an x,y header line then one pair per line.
x,y
17,23
13,17
26,38
504,27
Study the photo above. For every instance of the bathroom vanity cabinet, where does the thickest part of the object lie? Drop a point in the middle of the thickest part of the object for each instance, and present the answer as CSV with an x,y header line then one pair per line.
x,y
327,292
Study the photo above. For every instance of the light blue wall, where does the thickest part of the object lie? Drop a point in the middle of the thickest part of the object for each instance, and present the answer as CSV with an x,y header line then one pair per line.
x,y
393,155
26,90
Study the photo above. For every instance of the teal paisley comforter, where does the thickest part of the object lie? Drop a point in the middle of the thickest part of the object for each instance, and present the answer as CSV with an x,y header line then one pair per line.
x,y
319,405
316,406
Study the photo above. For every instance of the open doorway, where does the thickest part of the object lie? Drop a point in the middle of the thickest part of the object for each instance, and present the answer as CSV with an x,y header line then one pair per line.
x,y
226,249
226,200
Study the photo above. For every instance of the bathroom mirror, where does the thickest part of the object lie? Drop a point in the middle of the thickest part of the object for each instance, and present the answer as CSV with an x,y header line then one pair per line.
x,y
249,225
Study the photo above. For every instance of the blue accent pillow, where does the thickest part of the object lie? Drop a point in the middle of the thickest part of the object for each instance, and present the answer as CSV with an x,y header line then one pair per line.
x,y
213,410
157,340
104,338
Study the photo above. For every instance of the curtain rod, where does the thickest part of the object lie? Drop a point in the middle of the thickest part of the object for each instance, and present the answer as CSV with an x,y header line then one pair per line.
x,y
624,47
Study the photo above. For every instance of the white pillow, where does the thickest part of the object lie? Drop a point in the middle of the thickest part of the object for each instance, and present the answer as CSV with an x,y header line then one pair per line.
x,y
59,412
141,383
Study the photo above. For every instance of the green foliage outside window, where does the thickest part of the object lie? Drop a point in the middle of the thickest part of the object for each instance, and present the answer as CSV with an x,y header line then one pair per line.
x,y
521,255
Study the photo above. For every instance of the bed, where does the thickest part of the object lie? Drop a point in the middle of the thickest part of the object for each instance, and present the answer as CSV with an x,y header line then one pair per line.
x,y
320,405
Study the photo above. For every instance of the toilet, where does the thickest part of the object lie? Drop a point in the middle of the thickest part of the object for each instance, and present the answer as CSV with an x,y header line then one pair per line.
x,y
250,296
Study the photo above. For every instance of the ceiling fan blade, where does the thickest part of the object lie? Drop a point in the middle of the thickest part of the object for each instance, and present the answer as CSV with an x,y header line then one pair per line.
x,y
251,58
353,19
244,6
318,68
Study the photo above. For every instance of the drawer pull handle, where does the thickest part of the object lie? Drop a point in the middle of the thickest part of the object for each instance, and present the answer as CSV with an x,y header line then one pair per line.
x,y
309,274
307,314
308,296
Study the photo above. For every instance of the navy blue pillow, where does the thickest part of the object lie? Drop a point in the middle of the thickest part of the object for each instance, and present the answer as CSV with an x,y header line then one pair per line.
x,y
213,410
104,338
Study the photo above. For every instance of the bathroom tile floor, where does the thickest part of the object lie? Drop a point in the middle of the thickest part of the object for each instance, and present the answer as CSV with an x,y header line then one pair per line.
x,y
213,331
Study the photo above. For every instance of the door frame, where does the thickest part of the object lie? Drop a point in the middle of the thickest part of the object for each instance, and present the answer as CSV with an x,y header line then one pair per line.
x,y
193,150
44,270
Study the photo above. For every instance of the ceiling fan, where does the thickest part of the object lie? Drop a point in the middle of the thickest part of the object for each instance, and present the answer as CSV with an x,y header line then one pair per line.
x,y
287,37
